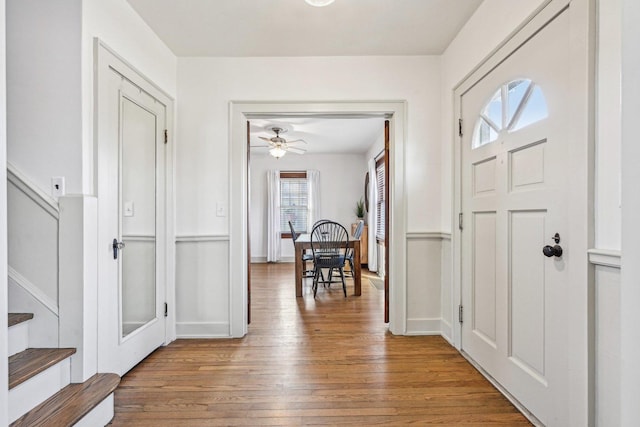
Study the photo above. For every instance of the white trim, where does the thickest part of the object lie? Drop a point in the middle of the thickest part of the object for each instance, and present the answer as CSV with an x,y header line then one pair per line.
x,y
424,326
33,290
428,235
203,330
396,111
202,238
42,199
605,257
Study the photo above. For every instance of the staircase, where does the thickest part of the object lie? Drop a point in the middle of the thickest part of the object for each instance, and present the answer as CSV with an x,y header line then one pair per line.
x,y
40,389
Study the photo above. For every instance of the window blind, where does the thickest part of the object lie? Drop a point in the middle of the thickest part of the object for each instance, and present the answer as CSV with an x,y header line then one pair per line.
x,y
381,202
294,203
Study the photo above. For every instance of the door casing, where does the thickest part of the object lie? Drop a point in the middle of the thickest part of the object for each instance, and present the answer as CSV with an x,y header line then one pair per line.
x,y
240,111
108,61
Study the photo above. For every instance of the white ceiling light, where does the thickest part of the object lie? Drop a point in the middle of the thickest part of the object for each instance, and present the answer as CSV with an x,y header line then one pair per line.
x,y
277,152
319,3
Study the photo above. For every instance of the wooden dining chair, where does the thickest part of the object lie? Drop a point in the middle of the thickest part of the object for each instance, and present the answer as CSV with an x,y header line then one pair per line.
x,y
305,256
328,244
349,253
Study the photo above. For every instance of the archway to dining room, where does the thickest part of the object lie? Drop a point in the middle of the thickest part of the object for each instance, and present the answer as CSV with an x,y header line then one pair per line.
x,y
268,113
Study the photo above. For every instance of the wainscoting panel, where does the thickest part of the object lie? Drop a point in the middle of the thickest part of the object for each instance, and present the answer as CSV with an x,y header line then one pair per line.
x,y
608,357
202,287
424,263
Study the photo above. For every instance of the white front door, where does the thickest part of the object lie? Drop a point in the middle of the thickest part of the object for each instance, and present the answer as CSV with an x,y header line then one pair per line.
x,y
132,232
514,199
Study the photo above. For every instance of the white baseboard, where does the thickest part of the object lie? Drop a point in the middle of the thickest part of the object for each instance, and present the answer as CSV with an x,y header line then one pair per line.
x,y
203,330
424,326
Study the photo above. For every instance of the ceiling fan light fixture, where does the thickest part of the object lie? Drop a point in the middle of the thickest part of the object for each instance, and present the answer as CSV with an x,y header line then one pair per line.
x,y
277,152
319,3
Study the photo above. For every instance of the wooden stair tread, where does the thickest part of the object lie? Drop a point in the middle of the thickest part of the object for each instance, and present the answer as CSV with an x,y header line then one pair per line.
x,y
16,318
32,361
70,404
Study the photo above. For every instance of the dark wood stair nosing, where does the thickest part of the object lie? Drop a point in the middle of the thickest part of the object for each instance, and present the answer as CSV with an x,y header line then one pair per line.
x,y
32,361
17,318
70,404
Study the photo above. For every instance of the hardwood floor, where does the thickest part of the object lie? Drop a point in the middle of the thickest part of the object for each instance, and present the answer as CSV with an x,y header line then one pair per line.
x,y
328,361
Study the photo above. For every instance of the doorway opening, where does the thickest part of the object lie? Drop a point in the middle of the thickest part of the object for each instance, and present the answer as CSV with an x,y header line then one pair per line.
x,y
239,268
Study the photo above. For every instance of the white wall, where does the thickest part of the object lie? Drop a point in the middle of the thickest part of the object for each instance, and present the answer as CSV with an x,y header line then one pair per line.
x,y
608,212
4,351
341,186
205,87
43,90
629,289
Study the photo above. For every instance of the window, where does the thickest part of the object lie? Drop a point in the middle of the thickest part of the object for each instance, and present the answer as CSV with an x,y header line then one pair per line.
x,y
294,202
513,106
381,202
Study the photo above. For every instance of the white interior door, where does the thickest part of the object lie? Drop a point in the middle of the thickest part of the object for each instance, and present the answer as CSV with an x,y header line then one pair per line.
x,y
132,236
514,187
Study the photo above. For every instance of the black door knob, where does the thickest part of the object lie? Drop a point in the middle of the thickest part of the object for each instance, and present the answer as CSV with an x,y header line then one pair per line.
x,y
550,251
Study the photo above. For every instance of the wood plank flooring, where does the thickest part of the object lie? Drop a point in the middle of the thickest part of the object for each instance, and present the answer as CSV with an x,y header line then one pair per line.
x,y
329,361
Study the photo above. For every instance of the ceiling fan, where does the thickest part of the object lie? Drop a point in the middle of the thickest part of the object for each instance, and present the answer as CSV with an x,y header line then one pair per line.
x,y
278,146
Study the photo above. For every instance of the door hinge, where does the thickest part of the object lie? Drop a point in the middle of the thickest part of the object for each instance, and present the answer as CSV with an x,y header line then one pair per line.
x,y
166,136
460,220
166,309
460,313
459,127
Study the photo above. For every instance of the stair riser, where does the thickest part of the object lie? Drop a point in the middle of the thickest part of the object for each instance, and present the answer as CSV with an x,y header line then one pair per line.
x,y
18,338
101,415
32,392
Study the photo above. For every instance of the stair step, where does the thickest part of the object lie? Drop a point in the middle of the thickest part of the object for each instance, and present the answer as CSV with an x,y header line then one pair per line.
x,y
70,404
32,361
16,318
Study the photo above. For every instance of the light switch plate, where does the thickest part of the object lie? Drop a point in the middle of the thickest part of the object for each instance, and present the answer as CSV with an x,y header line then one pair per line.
x,y
128,208
220,209
57,186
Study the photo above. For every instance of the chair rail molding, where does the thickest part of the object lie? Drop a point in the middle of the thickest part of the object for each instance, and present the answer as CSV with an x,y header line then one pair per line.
x,y
428,235
202,238
605,257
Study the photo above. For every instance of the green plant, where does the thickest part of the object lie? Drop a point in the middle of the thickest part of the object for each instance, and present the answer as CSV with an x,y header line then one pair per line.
x,y
360,208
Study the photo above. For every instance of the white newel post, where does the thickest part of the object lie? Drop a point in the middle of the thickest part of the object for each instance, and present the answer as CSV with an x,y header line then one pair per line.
x,y
78,292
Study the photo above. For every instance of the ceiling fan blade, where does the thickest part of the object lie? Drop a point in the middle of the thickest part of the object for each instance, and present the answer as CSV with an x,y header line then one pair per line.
x,y
266,139
260,146
295,141
296,150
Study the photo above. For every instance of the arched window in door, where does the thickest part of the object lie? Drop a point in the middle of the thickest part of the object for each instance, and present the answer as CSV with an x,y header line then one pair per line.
x,y
515,105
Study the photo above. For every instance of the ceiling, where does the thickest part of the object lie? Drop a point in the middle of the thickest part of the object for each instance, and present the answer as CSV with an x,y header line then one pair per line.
x,y
259,28
323,135
293,28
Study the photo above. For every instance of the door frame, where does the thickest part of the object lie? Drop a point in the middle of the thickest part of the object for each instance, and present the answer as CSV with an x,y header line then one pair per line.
x,y
106,59
581,313
238,251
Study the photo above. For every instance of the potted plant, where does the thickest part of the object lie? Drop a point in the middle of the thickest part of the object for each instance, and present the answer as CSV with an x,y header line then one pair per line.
x,y
360,211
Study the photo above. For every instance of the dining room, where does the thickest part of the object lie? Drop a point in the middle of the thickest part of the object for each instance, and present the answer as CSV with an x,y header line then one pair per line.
x,y
324,174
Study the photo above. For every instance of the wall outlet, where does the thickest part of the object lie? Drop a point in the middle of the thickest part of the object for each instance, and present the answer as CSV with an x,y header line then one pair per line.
x,y
57,186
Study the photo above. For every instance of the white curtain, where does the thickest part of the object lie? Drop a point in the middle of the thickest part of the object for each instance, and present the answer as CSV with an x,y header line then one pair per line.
x,y
273,216
372,262
313,187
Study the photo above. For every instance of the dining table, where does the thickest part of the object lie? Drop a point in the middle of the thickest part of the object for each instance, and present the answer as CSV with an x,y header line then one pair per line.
x,y
303,242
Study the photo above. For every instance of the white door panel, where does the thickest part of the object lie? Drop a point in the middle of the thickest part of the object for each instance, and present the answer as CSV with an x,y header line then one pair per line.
x,y
514,193
131,191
